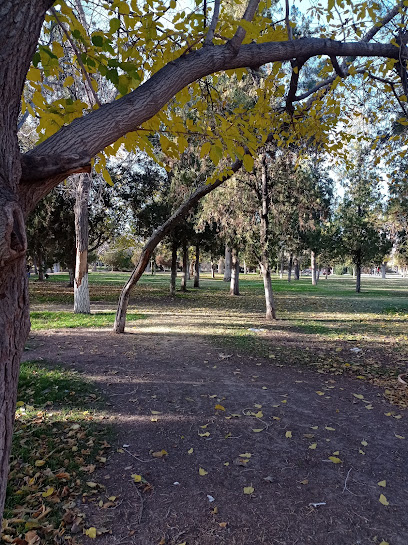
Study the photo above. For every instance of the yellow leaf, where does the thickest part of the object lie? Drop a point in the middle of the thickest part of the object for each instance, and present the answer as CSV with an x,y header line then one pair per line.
x,y
258,430
91,532
259,414
258,406
246,455
160,453
91,484
313,446
219,407
206,434
190,451
383,500
136,478
384,543
364,443
335,460
39,463
330,429
202,471
288,434
248,162
399,436
48,492
248,489
205,149
358,396
155,412
319,393
382,483
69,81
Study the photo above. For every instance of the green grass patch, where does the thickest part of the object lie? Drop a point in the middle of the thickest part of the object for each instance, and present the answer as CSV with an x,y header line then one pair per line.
x,y
57,444
55,320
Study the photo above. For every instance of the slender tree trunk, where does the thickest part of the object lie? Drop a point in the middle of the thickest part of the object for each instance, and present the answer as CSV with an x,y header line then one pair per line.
x,y
245,267
234,284
313,267
270,313
290,267
227,269
212,268
297,271
183,286
197,267
82,304
358,271
40,266
281,265
71,277
173,274
383,267
35,266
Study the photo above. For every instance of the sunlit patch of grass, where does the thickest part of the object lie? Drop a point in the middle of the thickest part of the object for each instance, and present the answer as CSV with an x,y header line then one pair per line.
x,y
54,320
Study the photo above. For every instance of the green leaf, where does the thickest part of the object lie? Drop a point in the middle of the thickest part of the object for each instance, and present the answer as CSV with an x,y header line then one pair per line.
x,y
114,25
97,40
248,163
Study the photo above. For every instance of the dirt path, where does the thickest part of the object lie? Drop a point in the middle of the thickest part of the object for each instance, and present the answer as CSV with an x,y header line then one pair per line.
x,y
162,391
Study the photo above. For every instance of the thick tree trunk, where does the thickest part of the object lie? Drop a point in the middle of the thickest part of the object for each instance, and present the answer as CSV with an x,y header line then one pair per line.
x,y
183,286
234,283
270,313
227,269
82,304
220,266
290,267
197,267
313,267
297,271
173,274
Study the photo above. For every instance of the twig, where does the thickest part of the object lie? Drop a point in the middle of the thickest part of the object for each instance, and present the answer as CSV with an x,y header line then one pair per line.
x,y
78,55
136,458
124,393
239,35
345,483
287,21
139,518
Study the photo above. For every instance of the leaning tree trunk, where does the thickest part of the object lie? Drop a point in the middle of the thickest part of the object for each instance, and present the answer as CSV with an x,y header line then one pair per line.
x,y
227,269
20,25
82,304
270,313
173,274
313,266
183,286
197,267
234,284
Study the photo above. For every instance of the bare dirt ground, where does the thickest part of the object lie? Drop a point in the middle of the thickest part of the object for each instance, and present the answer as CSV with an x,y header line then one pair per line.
x,y
256,453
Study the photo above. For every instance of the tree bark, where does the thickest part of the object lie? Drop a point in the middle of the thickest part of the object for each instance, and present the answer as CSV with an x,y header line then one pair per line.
x,y
234,284
82,304
212,268
290,267
40,261
220,266
313,267
297,271
183,286
358,270
281,265
71,273
227,269
173,274
197,267
383,267
264,264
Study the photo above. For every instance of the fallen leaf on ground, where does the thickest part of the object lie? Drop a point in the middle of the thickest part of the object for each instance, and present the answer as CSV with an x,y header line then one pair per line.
x,y
335,460
249,489
91,532
382,483
202,471
219,407
313,446
160,453
383,500
288,434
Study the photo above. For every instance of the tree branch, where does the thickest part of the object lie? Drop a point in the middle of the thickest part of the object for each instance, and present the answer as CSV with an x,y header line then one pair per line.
x,y
210,34
40,167
287,21
239,35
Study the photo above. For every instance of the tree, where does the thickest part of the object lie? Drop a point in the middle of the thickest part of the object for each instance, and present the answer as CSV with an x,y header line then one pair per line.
x,y
77,137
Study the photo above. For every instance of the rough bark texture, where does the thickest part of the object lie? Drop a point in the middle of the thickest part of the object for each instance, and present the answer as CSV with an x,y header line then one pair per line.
x,y
82,304
173,274
234,284
297,271
220,266
313,267
197,267
227,269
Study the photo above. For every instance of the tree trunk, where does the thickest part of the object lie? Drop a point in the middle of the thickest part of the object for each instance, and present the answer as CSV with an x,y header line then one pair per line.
x,y
227,270
270,313
383,267
358,271
220,266
245,267
290,267
197,267
40,261
297,271
313,267
173,274
234,283
281,265
82,304
71,277
183,286
212,268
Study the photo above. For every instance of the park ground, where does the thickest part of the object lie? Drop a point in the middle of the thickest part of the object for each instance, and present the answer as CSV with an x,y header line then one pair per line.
x,y
206,425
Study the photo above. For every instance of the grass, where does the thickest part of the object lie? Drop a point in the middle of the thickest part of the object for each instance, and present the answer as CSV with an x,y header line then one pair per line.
x,y
54,320
57,443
